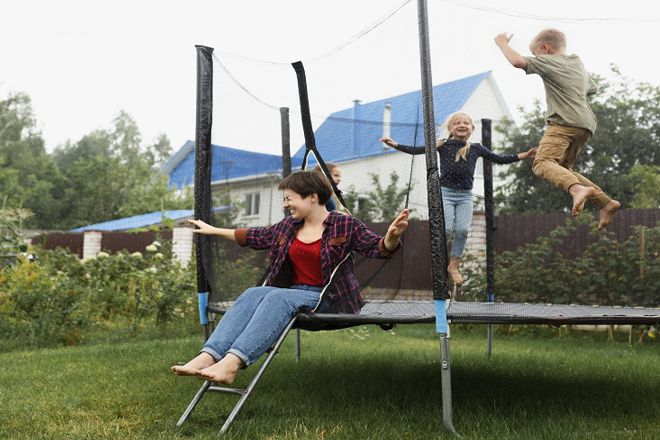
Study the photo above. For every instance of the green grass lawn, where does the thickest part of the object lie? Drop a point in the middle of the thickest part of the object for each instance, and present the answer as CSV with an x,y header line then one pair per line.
x,y
359,383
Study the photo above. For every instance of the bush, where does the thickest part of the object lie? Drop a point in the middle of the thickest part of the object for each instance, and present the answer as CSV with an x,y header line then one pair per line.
x,y
607,273
56,299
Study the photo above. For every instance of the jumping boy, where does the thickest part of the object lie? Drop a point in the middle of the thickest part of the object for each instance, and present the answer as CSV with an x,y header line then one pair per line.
x,y
570,121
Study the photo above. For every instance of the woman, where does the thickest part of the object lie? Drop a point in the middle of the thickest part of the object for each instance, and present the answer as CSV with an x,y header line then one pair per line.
x,y
305,250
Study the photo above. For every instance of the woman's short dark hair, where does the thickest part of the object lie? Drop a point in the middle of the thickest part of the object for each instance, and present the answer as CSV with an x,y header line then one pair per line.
x,y
306,183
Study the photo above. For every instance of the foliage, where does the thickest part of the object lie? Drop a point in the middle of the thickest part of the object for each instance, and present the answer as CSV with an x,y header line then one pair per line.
x,y
58,298
125,177
11,235
626,139
381,204
647,182
28,175
107,174
607,273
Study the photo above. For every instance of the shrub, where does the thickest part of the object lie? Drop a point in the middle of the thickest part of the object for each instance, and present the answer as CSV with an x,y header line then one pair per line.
x,y
607,273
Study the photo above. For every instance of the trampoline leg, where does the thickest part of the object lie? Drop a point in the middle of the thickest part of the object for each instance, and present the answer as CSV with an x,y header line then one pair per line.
x,y
297,345
489,343
447,414
255,379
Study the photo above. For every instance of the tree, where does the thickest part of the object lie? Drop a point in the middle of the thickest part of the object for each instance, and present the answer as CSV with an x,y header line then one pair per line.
x,y
628,136
28,176
647,181
110,175
382,204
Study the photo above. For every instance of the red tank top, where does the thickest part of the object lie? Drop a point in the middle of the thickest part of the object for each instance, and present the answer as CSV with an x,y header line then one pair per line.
x,y
306,261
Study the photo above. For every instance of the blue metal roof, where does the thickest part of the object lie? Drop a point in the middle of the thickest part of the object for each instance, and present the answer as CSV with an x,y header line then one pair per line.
x,y
141,221
347,134
226,163
355,132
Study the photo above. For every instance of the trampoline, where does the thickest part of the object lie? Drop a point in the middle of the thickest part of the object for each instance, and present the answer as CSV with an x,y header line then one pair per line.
x,y
437,307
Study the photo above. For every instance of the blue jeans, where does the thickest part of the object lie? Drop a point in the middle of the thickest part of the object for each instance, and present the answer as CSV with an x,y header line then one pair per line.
x,y
457,204
257,318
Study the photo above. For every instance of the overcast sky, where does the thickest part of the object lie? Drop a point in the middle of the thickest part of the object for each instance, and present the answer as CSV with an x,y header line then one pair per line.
x,y
83,61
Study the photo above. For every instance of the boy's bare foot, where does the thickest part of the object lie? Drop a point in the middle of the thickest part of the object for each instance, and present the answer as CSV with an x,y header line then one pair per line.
x,y
607,213
580,195
194,366
224,371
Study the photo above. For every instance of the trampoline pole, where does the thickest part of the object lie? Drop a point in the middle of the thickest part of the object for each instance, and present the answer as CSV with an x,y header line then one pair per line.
x,y
486,140
297,345
202,182
445,375
442,328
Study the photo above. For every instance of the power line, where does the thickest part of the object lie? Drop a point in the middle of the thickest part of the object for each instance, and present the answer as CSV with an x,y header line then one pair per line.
x,y
330,52
528,16
317,115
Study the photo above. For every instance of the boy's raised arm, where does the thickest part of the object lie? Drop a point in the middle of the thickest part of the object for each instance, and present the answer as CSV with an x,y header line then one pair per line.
x,y
513,57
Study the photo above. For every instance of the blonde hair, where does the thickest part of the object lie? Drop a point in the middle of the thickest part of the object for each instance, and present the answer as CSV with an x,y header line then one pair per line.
x,y
463,152
552,37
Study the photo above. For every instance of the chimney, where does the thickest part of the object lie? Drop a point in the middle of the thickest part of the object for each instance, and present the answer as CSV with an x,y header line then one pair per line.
x,y
387,122
354,128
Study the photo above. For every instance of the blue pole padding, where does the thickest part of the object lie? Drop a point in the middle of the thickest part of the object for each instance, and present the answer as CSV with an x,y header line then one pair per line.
x,y
491,296
441,325
202,302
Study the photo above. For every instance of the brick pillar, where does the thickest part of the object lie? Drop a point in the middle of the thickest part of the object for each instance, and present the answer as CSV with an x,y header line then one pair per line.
x,y
182,244
476,241
91,244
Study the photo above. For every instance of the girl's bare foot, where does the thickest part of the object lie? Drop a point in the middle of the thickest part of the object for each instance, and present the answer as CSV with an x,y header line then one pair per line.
x,y
607,213
194,366
224,371
455,275
580,195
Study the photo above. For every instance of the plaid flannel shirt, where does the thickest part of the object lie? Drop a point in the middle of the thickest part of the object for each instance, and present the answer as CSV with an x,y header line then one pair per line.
x,y
342,235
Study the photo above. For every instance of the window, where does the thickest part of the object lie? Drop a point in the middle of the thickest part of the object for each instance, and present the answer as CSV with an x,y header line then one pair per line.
x,y
252,203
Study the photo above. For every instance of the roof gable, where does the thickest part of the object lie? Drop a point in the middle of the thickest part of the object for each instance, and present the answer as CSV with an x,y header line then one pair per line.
x,y
355,132
226,163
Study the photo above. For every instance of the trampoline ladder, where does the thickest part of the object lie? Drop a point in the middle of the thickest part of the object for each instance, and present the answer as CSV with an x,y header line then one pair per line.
x,y
244,393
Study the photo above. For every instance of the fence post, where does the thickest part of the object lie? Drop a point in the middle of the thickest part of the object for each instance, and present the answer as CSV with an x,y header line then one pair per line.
x,y
91,244
182,244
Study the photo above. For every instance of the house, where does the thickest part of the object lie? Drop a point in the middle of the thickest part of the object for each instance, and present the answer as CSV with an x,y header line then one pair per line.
x,y
350,138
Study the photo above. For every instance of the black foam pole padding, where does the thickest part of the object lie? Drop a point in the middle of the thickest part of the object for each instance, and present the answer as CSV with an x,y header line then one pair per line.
x,y
286,141
203,124
286,146
308,131
439,259
486,140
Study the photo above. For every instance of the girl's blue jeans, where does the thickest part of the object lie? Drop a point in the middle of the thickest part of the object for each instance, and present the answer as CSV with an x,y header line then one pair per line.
x,y
257,318
457,204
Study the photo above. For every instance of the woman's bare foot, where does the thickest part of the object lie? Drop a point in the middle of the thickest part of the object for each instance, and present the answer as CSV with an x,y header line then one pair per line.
x,y
224,371
194,366
580,195
607,213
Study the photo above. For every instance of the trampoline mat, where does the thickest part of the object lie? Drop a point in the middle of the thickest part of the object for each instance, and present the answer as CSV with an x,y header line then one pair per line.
x,y
404,312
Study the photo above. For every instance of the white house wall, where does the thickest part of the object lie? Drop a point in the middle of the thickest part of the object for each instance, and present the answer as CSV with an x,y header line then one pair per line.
x,y
485,102
270,200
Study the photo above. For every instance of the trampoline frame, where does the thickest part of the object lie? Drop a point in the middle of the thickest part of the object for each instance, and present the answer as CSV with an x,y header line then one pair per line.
x,y
440,310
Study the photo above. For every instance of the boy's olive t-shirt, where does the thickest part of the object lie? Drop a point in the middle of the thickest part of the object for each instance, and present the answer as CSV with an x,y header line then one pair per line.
x,y
567,85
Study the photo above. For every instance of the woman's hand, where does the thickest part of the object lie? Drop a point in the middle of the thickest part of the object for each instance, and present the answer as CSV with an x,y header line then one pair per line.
x,y
204,228
389,141
396,230
527,154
